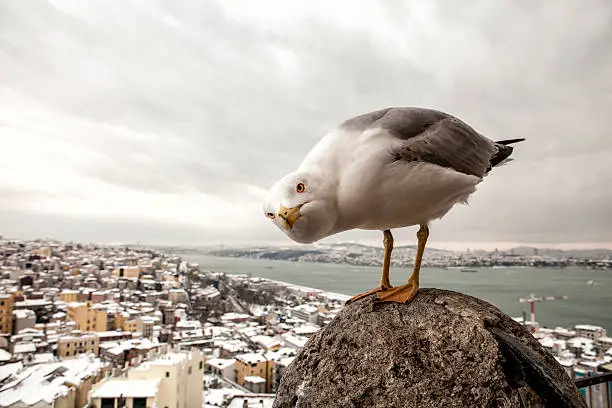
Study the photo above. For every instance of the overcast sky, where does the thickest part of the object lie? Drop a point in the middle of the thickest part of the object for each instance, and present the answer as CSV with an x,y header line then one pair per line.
x,y
166,121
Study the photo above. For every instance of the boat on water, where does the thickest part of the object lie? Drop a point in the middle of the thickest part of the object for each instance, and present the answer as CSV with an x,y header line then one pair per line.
x,y
469,270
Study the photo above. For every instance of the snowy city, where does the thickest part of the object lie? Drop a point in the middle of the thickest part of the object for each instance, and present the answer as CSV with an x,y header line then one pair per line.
x,y
92,325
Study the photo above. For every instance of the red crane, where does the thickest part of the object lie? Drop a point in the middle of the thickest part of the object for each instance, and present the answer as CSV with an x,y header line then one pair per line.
x,y
532,301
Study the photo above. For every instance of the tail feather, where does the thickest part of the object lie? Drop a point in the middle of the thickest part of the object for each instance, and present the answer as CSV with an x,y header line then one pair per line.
x,y
509,141
503,152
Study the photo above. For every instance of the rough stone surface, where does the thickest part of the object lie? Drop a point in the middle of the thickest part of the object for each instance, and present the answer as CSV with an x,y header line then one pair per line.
x,y
437,351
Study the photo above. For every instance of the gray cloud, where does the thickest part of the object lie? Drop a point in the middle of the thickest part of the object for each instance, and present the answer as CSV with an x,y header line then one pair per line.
x,y
173,96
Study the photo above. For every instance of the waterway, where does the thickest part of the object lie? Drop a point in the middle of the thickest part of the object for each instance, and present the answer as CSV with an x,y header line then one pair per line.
x,y
589,291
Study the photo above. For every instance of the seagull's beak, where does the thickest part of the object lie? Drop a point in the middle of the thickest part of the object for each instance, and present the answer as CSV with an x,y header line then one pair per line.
x,y
290,215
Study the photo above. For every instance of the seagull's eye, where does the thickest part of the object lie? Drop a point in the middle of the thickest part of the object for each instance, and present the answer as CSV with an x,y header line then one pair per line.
x,y
270,215
300,187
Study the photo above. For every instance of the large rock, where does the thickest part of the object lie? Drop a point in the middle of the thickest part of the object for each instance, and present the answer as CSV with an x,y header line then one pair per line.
x,y
443,349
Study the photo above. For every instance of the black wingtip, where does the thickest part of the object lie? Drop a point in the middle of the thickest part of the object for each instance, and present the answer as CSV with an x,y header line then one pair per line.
x,y
510,141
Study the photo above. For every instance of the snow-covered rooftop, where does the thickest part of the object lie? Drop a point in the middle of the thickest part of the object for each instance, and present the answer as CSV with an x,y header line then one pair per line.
x,y
252,400
46,382
221,363
588,327
4,355
251,358
309,309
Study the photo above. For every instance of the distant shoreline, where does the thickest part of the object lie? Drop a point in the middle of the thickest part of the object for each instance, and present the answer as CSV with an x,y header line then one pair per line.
x,y
357,260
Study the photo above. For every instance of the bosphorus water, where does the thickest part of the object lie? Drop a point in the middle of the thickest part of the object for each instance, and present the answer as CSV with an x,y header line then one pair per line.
x,y
589,291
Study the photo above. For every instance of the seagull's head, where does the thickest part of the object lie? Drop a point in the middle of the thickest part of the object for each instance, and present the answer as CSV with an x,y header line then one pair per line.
x,y
303,206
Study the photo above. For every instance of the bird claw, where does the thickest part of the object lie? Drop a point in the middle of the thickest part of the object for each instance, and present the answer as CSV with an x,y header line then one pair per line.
x,y
381,288
399,294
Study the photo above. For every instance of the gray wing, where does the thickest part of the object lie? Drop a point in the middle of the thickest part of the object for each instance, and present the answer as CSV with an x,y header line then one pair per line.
x,y
434,137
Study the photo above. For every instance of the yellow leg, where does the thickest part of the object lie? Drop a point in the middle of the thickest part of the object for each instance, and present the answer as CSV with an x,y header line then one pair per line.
x,y
385,284
405,293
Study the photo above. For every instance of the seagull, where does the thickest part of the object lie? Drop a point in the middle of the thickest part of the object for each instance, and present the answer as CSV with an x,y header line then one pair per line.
x,y
384,170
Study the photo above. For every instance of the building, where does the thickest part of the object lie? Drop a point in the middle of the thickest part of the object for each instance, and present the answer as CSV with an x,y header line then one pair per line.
x,y
145,326
100,296
6,313
308,313
604,343
306,330
130,325
74,345
87,318
589,331
225,368
114,335
177,296
251,401
23,319
172,380
167,313
69,296
127,272
121,352
266,342
230,348
293,341
254,365
255,384
37,305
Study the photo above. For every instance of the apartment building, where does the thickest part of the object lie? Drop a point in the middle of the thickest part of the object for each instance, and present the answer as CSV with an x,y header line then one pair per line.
x,y
308,313
172,380
74,345
252,365
69,296
87,317
589,331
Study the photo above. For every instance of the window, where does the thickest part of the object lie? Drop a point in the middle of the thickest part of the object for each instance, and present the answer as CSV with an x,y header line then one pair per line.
x,y
201,365
139,402
167,374
189,370
107,403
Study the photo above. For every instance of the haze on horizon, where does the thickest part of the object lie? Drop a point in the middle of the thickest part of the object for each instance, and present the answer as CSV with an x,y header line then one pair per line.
x,y
166,122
